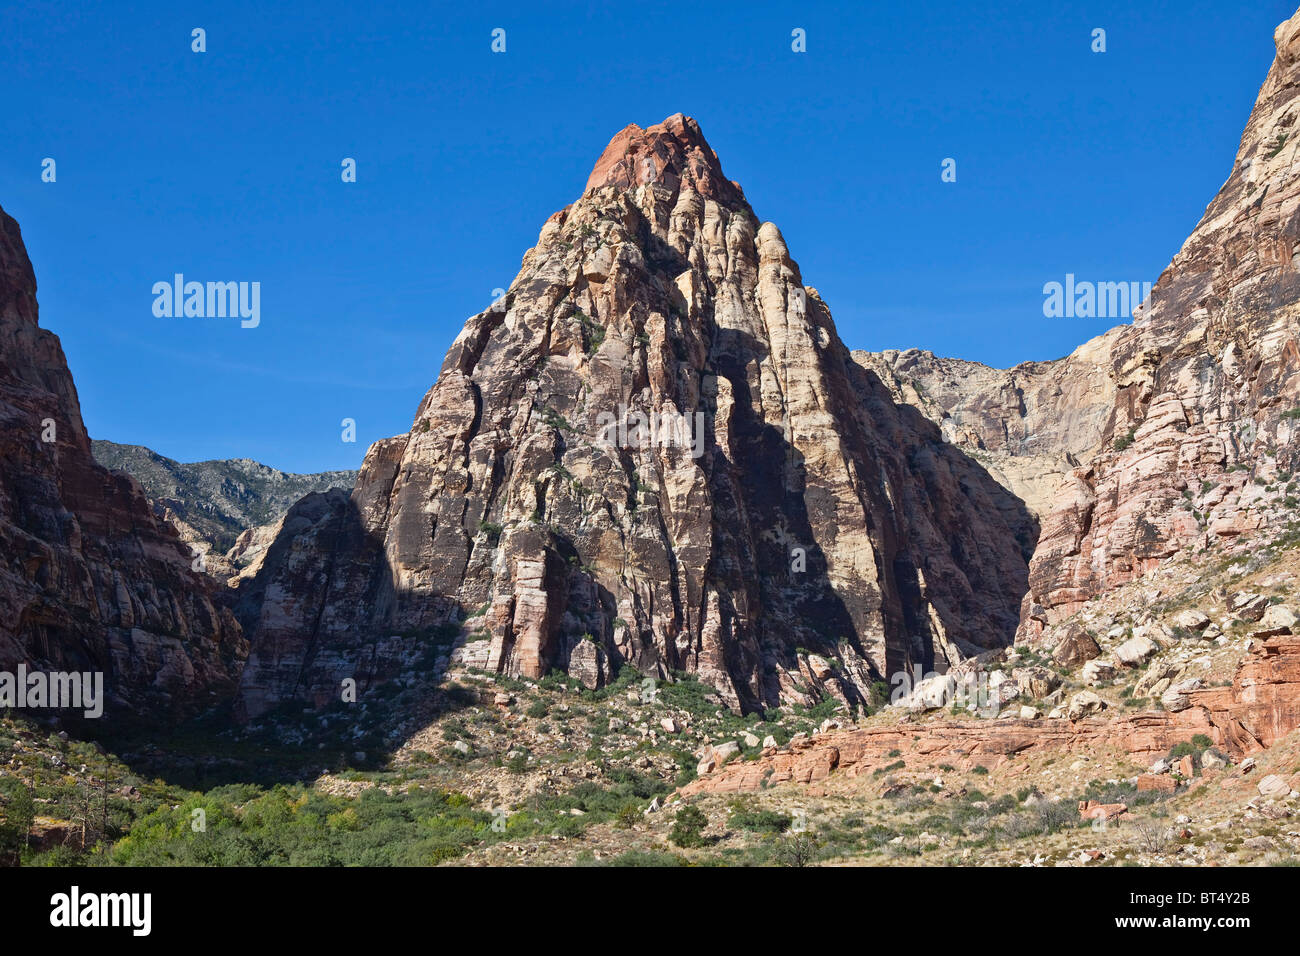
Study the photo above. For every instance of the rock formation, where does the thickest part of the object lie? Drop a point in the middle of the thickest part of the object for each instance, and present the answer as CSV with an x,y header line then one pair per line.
x,y
90,579
1163,435
1261,706
653,450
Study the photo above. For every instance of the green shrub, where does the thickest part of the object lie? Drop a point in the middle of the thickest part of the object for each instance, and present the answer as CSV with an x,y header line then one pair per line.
x,y
688,828
627,816
761,821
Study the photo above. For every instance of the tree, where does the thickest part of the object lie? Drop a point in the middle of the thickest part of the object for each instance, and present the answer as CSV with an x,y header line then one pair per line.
x,y
799,850
17,811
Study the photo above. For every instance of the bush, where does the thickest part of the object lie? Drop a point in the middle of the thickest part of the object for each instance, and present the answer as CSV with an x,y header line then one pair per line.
x,y
688,828
17,810
796,851
627,817
762,821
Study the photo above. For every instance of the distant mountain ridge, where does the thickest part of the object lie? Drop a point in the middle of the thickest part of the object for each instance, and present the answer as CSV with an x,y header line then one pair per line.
x,y
216,499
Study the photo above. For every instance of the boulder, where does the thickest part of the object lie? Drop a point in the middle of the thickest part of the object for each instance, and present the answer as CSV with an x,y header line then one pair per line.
x,y
1155,674
1091,810
1076,647
1273,786
1098,672
1176,697
1151,781
1277,619
1248,606
1192,620
1035,682
724,752
1084,704
1136,650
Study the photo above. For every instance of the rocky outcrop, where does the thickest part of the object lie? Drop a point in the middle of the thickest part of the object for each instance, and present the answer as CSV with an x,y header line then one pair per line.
x,y
1030,426
90,579
654,451
1205,381
1261,706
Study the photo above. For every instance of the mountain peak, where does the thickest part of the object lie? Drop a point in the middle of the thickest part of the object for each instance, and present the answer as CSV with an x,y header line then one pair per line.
x,y
673,153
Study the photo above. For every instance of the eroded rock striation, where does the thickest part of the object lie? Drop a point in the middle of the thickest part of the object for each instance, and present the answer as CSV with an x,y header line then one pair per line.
x,y
90,579
654,450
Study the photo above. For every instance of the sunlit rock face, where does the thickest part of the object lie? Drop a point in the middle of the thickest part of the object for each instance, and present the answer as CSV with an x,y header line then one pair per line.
x,y
652,451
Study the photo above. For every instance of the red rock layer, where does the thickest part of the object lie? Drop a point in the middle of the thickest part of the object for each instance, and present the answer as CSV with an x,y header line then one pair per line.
x,y
1261,706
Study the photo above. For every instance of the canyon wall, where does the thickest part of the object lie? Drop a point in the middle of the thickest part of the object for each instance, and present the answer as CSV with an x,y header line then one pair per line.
x,y
90,579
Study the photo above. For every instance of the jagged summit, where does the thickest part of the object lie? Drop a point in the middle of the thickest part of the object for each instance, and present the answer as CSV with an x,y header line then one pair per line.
x,y
653,451
673,154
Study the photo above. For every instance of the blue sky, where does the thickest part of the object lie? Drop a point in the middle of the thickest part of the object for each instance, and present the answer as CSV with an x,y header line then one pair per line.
x,y
225,166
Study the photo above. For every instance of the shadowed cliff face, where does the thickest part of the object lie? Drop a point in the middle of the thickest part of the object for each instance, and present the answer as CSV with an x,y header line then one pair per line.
x,y
786,530
1162,436
90,580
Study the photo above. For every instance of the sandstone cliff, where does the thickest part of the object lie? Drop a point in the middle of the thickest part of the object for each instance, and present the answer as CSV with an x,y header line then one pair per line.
x,y
1205,381
1162,436
788,530
90,579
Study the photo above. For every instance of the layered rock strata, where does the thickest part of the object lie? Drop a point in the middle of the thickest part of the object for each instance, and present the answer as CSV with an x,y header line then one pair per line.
x,y
653,451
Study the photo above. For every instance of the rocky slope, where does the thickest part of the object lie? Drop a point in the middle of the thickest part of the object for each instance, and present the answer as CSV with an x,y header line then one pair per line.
x,y
90,579
797,515
212,502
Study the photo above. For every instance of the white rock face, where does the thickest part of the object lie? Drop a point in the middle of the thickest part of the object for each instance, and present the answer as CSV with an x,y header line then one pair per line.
x,y
1084,704
1273,786
1097,671
725,751
1278,617
1136,650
